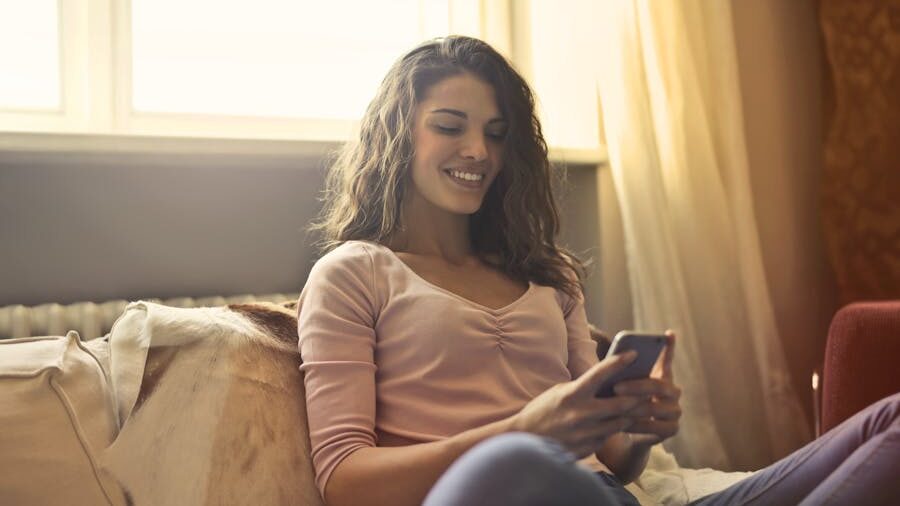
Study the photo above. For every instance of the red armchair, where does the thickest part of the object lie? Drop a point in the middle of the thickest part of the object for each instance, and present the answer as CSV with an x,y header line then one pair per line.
x,y
862,359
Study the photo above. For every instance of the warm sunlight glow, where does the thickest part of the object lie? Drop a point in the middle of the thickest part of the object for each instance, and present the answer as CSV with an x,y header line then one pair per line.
x,y
277,58
564,48
29,55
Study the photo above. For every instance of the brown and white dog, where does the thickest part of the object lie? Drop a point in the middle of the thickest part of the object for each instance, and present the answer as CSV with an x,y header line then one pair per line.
x,y
220,417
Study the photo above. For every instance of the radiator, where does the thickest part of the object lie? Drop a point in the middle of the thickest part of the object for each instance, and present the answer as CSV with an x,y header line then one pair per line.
x,y
93,320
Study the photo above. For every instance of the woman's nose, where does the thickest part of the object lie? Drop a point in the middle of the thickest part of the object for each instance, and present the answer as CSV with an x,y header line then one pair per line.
x,y
474,147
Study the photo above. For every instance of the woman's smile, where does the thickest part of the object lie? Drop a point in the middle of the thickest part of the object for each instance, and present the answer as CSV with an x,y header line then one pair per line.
x,y
466,178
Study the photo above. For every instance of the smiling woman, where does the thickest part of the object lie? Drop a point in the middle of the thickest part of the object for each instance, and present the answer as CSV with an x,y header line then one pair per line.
x,y
444,275
447,135
458,146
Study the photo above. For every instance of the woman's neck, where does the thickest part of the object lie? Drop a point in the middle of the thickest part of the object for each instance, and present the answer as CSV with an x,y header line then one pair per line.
x,y
431,231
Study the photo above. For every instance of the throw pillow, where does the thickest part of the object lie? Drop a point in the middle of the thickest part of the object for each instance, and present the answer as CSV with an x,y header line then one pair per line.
x,y
57,414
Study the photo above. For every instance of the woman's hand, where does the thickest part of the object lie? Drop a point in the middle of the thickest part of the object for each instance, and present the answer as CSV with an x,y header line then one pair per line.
x,y
569,412
655,419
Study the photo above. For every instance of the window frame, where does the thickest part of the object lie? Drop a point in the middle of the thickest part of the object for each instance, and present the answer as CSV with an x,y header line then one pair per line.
x,y
95,111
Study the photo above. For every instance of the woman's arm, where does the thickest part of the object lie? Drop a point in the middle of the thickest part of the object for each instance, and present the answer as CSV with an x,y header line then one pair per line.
x,y
401,475
404,475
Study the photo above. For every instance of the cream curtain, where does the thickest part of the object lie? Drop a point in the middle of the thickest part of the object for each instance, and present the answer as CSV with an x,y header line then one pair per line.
x,y
672,116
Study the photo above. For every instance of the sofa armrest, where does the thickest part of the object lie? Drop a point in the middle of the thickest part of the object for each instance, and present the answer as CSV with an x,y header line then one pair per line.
x,y
862,359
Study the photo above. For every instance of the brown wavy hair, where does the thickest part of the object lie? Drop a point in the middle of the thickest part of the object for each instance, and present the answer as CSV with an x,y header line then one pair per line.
x,y
516,228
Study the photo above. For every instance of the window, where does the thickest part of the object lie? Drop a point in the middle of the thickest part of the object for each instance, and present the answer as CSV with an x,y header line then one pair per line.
x,y
29,56
265,59
562,45
266,69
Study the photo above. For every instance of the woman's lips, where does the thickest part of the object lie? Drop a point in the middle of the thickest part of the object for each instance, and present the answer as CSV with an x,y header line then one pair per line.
x,y
465,183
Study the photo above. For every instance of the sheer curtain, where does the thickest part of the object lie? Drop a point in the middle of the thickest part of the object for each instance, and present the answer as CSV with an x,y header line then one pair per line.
x,y
672,116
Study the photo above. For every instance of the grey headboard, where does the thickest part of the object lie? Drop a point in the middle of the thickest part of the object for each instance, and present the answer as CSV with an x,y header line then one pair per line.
x,y
94,227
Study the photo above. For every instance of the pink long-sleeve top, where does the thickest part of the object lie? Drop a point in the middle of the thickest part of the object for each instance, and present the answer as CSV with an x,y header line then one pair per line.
x,y
385,351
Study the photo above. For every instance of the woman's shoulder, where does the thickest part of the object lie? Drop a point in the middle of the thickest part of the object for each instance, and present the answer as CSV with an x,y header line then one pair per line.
x,y
566,299
346,267
354,256
348,254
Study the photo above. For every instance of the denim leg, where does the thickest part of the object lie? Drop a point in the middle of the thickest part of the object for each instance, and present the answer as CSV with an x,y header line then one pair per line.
x,y
857,462
519,469
871,475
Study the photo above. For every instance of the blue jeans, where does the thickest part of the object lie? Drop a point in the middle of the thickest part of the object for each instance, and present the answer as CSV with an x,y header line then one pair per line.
x,y
857,462
521,469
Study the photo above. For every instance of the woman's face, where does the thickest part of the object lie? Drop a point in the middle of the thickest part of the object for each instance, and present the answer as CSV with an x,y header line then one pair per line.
x,y
458,135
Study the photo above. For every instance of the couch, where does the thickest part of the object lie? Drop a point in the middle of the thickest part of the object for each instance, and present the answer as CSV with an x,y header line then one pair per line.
x,y
197,407
861,359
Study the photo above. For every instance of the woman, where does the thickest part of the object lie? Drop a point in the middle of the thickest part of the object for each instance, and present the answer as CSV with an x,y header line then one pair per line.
x,y
446,354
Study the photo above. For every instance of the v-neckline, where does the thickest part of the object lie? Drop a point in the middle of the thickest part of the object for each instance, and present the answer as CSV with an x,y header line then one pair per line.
x,y
453,294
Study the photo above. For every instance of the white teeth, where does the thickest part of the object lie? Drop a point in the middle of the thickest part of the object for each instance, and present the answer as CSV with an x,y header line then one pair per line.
x,y
468,176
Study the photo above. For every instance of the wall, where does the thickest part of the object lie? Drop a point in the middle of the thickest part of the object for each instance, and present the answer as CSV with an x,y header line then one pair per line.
x,y
781,66
597,239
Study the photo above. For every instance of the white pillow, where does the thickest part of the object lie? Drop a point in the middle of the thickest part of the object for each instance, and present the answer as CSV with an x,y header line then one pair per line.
x,y
672,485
57,413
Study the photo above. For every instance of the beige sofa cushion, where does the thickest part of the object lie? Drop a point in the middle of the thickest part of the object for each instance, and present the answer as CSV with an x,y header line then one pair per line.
x,y
57,413
213,406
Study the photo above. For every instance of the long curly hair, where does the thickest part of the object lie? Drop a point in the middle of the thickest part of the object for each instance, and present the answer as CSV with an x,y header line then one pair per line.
x,y
516,228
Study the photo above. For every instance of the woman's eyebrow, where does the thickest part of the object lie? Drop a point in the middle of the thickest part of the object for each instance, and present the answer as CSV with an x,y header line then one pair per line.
x,y
463,115
453,112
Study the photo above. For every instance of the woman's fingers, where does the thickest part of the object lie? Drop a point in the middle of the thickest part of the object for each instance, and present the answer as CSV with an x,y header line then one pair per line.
x,y
584,439
664,429
609,427
588,383
598,411
669,356
616,406
606,428
657,410
648,387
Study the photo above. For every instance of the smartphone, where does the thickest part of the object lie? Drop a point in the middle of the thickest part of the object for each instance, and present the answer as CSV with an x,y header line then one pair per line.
x,y
648,348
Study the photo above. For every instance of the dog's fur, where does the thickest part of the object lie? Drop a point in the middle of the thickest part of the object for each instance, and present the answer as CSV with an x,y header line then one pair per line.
x,y
220,418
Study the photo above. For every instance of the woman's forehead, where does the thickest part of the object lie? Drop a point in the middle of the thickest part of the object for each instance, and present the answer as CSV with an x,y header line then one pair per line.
x,y
462,92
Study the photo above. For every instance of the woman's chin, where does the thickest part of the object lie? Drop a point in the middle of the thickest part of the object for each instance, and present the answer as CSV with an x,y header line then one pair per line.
x,y
466,208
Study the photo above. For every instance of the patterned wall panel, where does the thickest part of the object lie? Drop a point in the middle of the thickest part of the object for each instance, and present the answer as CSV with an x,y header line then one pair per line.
x,y
861,181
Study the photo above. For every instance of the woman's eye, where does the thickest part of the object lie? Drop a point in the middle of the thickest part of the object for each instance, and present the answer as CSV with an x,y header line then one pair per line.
x,y
448,129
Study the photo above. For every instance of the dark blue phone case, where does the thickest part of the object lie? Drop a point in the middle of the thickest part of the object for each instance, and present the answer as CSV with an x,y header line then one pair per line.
x,y
648,347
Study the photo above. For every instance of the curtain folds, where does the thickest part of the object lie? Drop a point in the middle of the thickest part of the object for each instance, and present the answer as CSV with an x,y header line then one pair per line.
x,y
672,116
